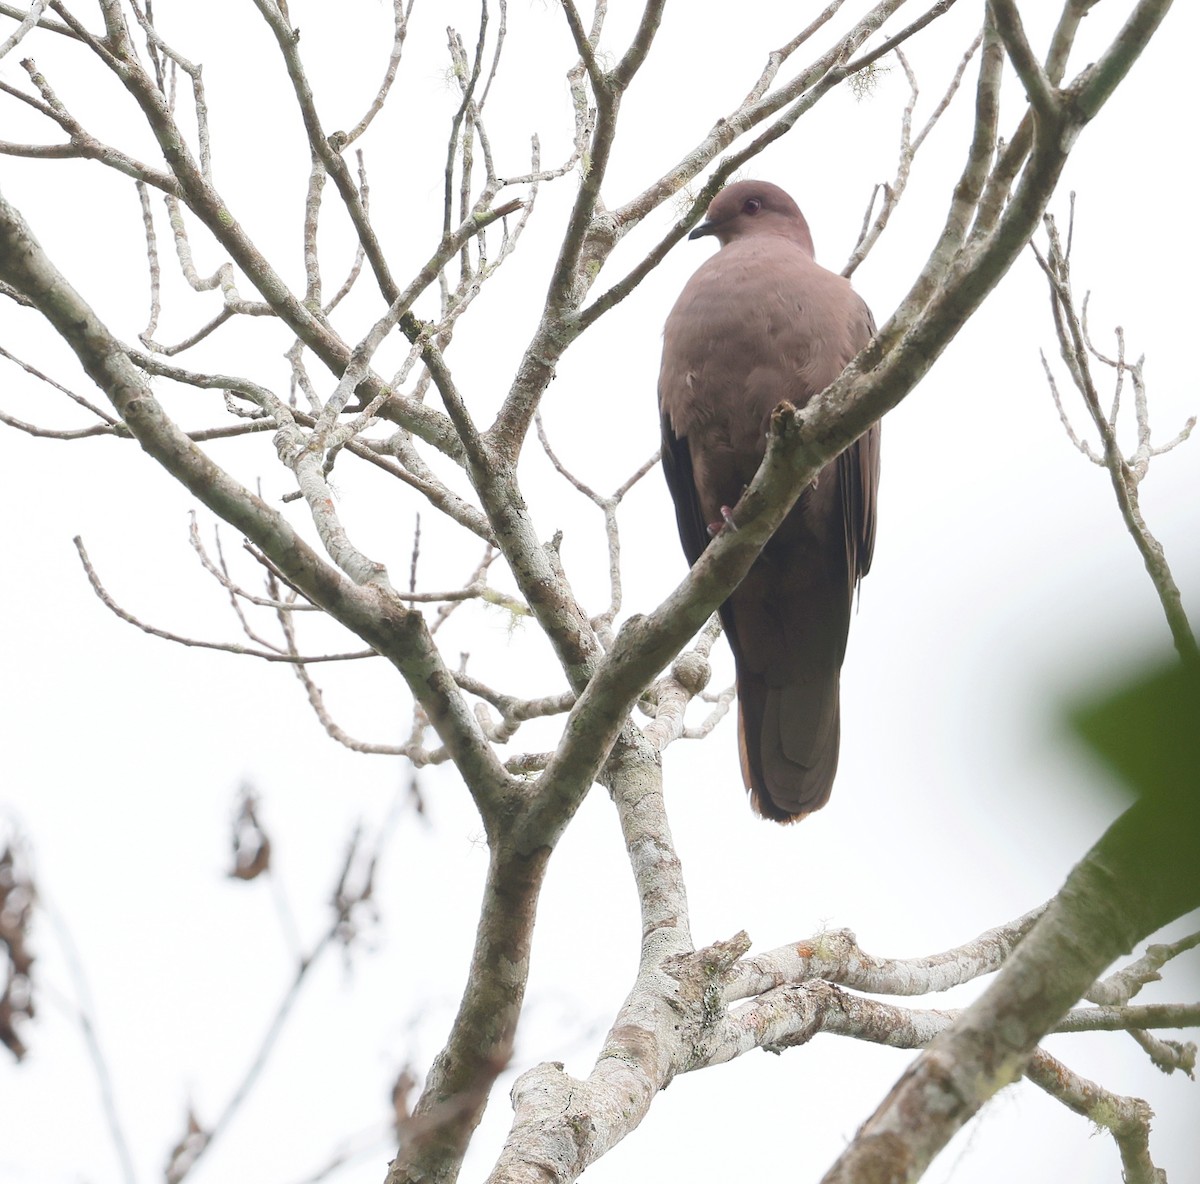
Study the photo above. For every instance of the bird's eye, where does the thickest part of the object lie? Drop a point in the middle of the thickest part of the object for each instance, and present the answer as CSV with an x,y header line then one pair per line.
x,y
752,206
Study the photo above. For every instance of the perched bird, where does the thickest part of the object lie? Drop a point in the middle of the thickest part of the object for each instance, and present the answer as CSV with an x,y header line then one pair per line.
x,y
762,323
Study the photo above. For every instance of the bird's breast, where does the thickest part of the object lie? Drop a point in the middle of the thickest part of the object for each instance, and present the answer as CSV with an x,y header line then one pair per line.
x,y
759,324
752,329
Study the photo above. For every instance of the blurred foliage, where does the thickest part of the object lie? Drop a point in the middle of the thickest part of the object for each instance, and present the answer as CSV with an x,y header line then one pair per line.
x,y
1148,731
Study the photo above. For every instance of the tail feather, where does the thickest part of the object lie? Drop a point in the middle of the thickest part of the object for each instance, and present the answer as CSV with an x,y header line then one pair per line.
x,y
786,781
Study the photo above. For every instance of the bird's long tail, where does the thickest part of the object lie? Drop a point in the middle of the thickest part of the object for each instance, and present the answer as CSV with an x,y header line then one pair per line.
x,y
788,737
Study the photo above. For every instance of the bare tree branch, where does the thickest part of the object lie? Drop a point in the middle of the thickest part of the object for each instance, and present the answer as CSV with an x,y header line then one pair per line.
x,y
83,1010
1125,474
226,646
369,610
687,1008
1126,1119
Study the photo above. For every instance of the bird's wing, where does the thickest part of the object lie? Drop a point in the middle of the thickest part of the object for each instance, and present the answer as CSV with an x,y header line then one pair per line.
x,y
677,468
858,481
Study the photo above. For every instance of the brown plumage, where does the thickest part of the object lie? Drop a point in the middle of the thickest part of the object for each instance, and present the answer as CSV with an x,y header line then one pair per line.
x,y
761,323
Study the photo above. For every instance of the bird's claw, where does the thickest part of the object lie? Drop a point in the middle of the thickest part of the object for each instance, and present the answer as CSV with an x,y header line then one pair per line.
x,y
715,528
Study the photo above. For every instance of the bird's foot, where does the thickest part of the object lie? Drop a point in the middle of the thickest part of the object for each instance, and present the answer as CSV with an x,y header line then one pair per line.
x,y
715,528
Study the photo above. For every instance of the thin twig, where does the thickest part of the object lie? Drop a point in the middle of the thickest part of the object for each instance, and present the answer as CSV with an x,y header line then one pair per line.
x,y
192,642
1125,474
83,1012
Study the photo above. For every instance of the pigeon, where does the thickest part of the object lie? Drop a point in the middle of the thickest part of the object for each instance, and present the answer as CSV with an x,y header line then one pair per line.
x,y
760,324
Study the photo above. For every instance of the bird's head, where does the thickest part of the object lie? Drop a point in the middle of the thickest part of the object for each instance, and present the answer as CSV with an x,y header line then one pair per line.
x,y
754,208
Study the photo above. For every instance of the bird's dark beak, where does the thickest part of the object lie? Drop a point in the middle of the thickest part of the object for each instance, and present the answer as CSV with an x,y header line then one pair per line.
x,y
705,227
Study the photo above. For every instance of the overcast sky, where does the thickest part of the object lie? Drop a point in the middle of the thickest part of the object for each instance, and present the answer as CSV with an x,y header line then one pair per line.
x,y
1003,587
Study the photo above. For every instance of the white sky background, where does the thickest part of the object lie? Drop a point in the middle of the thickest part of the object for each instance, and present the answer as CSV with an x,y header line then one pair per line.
x,y
1003,585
